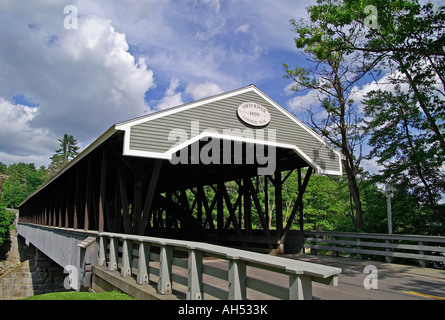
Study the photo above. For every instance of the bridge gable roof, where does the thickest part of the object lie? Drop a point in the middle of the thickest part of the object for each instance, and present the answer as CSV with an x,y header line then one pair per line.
x,y
158,135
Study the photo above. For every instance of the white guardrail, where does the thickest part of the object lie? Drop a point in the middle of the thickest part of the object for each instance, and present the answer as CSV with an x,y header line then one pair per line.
x,y
183,263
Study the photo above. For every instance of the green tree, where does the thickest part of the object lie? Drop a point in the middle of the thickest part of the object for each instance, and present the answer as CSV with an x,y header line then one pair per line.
x,y
398,141
3,167
68,151
68,147
406,119
332,74
6,220
409,38
325,204
23,179
408,125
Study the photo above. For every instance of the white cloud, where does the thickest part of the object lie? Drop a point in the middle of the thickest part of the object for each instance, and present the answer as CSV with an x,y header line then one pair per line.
x,y
195,40
97,78
243,28
371,166
312,98
38,160
301,103
20,142
171,98
87,79
83,80
203,90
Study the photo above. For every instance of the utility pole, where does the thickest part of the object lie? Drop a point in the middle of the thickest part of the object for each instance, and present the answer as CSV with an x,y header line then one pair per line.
x,y
389,195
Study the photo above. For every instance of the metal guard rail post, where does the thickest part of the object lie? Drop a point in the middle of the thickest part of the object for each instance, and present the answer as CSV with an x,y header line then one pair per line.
x,y
301,274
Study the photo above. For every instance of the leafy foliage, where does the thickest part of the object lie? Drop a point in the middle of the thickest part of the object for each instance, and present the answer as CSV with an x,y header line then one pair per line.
x,y
6,220
405,120
68,151
326,204
19,180
333,72
23,179
68,147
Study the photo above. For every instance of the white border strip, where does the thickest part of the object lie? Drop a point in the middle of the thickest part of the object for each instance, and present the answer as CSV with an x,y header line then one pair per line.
x,y
206,134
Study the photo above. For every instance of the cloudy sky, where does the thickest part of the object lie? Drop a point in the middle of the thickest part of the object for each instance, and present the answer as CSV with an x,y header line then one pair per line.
x,y
78,67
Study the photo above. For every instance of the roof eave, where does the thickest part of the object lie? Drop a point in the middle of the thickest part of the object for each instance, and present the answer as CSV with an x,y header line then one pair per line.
x,y
105,136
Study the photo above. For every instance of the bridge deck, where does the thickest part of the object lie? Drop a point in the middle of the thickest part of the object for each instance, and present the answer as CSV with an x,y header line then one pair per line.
x,y
394,281
387,281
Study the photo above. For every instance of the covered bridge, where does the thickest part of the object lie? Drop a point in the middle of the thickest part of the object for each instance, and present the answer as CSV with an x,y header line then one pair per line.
x,y
195,172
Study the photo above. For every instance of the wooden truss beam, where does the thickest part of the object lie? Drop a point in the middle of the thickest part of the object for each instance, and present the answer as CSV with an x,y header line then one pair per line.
x,y
150,195
298,203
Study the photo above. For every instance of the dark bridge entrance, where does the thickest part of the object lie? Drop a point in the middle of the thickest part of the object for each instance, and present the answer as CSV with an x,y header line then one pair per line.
x,y
200,171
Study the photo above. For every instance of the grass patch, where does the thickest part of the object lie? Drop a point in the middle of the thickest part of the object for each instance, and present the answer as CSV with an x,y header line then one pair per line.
x,y
72,295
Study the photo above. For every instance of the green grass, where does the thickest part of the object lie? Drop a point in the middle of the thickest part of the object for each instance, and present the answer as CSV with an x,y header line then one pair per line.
x,y
72,295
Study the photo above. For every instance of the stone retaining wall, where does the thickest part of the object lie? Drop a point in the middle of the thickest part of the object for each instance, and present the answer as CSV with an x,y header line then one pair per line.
x,y
27,272
32,277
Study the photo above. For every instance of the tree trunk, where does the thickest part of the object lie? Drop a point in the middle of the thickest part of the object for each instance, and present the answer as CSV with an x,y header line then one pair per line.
x,y
348,163
355,195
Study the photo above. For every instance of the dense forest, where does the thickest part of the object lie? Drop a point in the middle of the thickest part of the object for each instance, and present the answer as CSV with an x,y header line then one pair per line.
x,y
19,180
398,43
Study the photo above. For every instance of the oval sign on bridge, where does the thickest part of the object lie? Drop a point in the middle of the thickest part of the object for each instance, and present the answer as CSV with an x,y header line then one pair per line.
x,y
253,114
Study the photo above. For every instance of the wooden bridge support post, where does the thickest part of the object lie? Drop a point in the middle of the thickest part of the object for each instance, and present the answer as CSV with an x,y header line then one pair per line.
x,y
278,203
165,270
67,204
219,207
300,287
127,258
124,200
300,201
149,199
237,279
114,251
298,204
195,286
143,263
48,211
61,199
266,202
102,251
247,206
77,186
103,185
88,208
